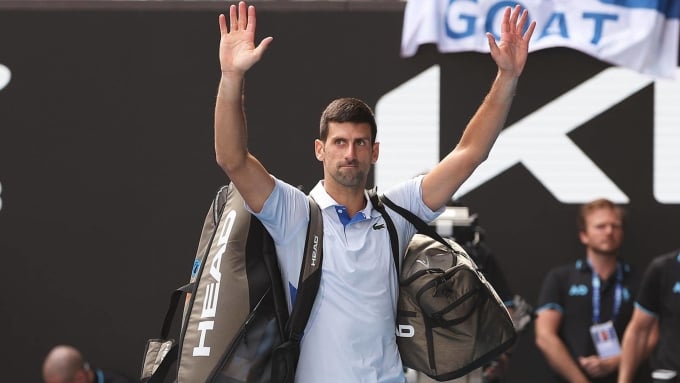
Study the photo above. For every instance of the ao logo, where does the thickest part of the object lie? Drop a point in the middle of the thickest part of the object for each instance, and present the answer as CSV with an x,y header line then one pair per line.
x,y
5,76
565,171
578,290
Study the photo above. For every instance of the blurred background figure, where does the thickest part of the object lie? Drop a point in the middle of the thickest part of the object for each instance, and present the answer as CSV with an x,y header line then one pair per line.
x,y
585,306
656,315
65,364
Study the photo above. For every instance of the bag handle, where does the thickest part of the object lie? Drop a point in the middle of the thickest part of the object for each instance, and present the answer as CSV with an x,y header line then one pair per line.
x,y
174,302
164,367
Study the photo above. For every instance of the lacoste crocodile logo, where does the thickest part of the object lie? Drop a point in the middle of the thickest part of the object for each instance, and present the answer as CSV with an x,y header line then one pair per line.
x,y
378,226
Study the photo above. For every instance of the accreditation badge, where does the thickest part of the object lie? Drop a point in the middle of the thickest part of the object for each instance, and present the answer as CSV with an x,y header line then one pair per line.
x,y
605,339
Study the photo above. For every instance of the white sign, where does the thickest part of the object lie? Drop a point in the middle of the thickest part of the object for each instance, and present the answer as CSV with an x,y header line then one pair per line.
x,y
5,76
641,35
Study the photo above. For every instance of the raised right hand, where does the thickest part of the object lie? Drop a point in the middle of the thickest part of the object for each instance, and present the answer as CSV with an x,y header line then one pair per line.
x,y
237,43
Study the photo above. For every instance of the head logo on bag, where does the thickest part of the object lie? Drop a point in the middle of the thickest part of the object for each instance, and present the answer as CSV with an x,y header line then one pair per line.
x,y
314,249
212,288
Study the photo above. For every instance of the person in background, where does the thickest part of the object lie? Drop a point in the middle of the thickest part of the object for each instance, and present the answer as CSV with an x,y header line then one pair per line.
x,y
584,307
657,309
65,364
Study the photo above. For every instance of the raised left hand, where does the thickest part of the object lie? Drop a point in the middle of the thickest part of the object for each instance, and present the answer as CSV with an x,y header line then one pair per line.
x,y
511,53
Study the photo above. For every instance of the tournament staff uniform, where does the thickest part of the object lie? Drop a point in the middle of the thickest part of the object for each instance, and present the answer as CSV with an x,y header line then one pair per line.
x,y
660,297
573,290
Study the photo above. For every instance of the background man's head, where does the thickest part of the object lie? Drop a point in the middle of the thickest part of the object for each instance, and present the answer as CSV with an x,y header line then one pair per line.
x,y
65,364
601,226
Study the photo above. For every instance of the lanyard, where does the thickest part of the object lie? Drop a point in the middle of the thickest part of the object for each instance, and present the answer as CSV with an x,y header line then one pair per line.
x,y
597,294
100,376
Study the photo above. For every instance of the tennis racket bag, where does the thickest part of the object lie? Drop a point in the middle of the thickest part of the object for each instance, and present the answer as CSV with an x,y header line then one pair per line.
x,y
236,314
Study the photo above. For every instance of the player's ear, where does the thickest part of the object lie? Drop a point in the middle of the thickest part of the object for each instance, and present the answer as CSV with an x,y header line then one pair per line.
x,y
319,149
376,152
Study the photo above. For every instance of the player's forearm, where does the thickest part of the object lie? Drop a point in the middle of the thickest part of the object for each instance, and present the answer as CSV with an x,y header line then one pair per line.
x,y
231,135
485,126
474,147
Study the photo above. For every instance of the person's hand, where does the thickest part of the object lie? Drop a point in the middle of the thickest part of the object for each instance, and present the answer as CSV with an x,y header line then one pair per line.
x,y
597,367
511,53
237,43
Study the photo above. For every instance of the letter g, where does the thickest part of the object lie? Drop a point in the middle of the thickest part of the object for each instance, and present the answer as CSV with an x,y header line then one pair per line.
x,y
468,22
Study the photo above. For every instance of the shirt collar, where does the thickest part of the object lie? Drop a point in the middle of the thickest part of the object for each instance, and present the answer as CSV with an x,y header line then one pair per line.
x,y
584,266
324,200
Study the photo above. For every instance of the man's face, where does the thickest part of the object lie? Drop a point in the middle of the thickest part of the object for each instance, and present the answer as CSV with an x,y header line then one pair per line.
x,y
603,232
347,154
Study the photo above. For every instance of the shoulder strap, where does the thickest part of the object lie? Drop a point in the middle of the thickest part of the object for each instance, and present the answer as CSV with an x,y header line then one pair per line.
x,y
391,229
310,273
420,225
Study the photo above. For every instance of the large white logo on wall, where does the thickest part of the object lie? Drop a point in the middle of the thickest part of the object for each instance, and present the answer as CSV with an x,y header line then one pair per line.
x,y
408,117
5,76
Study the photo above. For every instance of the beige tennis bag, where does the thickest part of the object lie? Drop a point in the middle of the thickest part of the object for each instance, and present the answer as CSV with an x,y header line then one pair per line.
x,y
450,321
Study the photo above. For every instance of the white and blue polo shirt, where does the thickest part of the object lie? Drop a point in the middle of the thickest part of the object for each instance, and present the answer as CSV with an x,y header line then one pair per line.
x,y
350,336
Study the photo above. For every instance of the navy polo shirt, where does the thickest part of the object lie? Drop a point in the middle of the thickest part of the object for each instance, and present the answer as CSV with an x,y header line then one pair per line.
x,y
568,289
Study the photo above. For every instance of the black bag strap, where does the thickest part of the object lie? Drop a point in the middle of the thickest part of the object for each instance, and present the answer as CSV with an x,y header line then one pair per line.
x,y
380,201
391,229
172,308
164,367
421,226
277,289
310,274
285,356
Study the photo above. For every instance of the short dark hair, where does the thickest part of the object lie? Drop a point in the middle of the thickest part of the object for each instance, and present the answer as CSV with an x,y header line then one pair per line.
x,y
347,109
600,203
